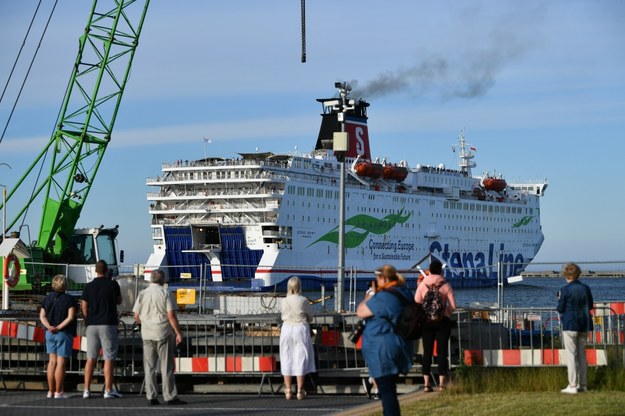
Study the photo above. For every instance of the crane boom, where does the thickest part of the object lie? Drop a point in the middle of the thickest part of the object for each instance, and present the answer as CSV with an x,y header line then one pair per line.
x,y
83,131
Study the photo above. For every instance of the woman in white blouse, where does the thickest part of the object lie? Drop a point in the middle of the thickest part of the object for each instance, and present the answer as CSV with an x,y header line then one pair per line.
x,y
296,349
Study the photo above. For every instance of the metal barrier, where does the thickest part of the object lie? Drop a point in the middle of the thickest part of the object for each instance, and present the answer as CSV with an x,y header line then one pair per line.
x,y
230,346
532,337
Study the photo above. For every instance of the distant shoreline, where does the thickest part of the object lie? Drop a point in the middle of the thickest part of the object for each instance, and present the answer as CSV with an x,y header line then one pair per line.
x,y
585,274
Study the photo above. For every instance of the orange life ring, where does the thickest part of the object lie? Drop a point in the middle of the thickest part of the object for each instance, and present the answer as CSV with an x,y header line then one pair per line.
x,y
11,270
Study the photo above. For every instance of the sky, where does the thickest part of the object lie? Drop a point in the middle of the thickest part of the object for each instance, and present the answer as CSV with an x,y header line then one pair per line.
x,y
538,87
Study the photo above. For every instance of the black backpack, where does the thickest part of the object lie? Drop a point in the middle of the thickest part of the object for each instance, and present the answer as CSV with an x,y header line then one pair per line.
x,y
433,304
411,320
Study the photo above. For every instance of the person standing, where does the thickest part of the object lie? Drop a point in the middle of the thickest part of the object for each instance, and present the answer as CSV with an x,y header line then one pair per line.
x,y
372,288
155,311
574,305
58,316
297,357
438,330
385,352
99,308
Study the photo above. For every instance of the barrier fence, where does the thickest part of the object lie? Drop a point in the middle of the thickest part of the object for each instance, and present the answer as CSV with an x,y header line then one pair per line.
x,y
230,346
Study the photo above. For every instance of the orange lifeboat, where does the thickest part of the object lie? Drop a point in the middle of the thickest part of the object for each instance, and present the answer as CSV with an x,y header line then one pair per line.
x,y
494,184
395,172
369,169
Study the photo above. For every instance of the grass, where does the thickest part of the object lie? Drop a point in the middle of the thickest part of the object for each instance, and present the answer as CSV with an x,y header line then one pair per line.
x,y
483,391
552,403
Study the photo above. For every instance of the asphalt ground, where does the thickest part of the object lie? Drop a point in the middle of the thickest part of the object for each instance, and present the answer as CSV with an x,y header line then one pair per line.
x,y
35,403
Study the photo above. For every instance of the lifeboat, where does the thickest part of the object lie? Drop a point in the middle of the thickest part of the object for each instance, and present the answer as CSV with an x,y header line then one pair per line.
x,y
494,184
369,169
394,172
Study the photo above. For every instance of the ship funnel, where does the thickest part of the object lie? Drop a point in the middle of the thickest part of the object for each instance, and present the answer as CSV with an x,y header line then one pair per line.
x,y
355,126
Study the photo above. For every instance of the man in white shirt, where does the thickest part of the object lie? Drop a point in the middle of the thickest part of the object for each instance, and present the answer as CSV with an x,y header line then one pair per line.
x,y
155,312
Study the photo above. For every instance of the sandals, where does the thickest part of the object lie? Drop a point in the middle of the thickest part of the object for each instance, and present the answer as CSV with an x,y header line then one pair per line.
x,y
441,388
288,394
427,389
301,394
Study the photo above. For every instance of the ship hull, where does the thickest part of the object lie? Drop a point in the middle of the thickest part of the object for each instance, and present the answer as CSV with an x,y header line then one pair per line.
x,y
261,218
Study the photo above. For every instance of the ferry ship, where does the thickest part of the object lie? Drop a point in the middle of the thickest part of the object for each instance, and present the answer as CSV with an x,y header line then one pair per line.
x,y
260,218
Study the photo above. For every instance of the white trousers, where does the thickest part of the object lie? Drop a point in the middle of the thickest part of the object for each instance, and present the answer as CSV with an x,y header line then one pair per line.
x,y
575,347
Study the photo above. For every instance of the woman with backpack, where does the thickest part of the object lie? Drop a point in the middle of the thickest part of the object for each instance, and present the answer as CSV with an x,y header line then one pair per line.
x,y
437,298
385,351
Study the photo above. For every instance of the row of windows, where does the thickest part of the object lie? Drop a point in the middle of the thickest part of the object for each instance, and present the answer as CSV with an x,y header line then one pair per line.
x,y
496,230
471,206
407,200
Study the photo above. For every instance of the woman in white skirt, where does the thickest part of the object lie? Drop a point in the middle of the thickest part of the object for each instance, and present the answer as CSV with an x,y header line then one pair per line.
x,y
296,349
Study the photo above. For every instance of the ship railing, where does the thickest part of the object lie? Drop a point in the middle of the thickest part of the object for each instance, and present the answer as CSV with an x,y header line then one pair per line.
x,y
224,162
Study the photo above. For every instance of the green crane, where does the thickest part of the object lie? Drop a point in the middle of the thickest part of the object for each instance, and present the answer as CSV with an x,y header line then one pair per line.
x,y
83,131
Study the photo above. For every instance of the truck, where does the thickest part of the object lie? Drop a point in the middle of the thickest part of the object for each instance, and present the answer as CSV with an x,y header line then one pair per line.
x,y
73,156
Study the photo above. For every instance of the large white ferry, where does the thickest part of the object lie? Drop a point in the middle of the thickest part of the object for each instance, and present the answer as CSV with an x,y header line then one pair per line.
x,y
260,218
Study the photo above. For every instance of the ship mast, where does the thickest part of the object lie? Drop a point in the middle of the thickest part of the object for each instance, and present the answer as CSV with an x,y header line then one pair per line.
x,y
466,157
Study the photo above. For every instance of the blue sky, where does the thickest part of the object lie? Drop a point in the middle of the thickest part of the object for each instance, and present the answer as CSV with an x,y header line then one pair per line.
x,y
539,88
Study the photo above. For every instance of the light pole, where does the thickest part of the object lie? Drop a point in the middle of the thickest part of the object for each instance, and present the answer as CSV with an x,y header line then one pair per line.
x,y
341,146
5,285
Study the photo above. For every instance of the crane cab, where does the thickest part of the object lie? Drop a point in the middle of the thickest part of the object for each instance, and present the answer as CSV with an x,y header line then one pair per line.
x,y
85,248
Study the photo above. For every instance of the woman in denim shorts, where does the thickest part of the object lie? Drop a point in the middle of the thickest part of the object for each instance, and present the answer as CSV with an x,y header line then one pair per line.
x,y
58,316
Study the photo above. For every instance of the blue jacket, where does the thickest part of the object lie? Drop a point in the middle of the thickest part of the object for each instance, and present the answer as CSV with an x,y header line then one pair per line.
x,y
385,352
574,303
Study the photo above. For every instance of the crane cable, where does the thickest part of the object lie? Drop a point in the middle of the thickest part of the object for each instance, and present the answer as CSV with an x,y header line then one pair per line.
x,y
303,8
19,53
32,61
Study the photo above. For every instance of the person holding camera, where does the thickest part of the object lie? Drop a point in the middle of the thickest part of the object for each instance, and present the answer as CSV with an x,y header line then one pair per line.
x,y
155,315
386,353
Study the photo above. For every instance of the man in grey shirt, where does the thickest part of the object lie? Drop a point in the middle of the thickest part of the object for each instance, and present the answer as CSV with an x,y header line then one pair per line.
x,y
155,312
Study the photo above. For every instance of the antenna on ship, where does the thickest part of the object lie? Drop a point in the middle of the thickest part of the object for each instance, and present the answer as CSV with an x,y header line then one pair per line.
x,y
205,140
466,162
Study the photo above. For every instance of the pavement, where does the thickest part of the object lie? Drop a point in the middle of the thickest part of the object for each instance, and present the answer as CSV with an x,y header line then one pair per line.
x,y
35,403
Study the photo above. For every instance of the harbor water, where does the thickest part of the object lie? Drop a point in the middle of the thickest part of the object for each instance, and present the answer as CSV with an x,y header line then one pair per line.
x,y
533,292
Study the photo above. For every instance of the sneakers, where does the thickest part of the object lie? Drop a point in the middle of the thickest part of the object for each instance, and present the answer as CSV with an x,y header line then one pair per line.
x,y
61,396
113,394
582,389
569,390
86,394
50,395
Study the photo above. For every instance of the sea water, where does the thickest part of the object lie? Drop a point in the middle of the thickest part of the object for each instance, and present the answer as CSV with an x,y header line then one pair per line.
x,y
533,292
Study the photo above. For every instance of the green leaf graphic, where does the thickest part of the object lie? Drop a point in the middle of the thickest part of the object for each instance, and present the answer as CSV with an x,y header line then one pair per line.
x,y
366,223
523,221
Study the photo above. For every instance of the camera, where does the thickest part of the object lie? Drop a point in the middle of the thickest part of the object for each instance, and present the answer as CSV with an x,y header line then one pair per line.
x,y
355,335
